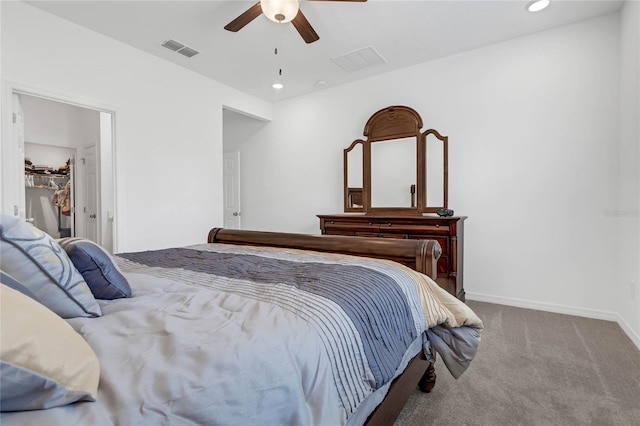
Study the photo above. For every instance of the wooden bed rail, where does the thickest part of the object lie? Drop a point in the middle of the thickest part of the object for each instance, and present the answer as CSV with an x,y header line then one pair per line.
x,y
420,255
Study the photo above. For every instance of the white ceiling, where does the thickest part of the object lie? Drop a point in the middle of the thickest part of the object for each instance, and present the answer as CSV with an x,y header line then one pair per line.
x,y
403,32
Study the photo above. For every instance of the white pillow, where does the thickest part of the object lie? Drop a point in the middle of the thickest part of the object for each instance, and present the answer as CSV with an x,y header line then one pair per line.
x,y
44,362
38,262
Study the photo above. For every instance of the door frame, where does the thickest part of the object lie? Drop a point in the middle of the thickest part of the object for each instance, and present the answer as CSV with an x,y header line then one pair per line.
x,y
12,203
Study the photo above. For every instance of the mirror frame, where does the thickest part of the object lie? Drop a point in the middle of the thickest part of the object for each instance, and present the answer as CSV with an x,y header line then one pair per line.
x,y
395,122
348,191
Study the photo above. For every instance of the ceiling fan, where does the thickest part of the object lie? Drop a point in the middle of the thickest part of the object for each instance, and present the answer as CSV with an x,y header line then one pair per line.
x,y
280,11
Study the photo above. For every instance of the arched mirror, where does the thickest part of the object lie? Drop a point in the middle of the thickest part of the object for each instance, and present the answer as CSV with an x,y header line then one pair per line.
x,y
398,168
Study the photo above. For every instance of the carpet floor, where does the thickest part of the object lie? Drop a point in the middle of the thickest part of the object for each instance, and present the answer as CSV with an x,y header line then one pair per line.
x,y
537,368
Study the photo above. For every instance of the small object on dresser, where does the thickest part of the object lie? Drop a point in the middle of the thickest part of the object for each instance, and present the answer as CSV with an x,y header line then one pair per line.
x,y
444,212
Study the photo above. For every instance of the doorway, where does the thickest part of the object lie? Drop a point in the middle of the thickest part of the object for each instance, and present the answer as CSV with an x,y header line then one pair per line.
x,y
238,128
67,146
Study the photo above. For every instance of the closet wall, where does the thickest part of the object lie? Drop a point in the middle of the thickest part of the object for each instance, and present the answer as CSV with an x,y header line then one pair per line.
x,y
53,133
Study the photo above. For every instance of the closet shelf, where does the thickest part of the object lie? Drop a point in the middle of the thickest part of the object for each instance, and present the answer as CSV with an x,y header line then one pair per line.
x,y
46,181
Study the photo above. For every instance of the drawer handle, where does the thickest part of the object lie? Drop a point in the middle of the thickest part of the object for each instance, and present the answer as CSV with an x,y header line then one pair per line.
x,y
437,225
370,223
332,222
389,224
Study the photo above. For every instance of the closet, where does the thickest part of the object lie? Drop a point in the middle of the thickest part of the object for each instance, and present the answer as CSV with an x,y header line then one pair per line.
x,y
57,192
50,188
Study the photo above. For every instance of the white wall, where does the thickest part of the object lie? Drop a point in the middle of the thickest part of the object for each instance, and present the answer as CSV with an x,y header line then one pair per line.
x,y
55,123
168,122
627,213
238,128
533,126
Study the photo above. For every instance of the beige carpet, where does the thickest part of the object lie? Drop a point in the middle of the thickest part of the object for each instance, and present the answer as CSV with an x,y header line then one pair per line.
x,y
537,368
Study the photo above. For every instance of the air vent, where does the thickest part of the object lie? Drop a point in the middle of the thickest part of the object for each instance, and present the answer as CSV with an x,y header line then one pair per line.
x,y
359,59
173,45
180,48
188,52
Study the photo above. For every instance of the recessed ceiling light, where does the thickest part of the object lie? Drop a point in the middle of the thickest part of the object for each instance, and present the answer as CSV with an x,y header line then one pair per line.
x,y
537,5
277,86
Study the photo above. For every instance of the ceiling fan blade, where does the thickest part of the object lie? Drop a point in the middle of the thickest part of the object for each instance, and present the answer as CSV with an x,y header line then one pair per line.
x,y
249,15
305,29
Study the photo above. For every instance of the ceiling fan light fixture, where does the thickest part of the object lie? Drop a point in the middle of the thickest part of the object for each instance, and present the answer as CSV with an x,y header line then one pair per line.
x,y
280,11
537,6
277,85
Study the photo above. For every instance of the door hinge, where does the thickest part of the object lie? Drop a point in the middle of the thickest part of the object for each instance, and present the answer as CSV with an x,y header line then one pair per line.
x,y
83,161
15,118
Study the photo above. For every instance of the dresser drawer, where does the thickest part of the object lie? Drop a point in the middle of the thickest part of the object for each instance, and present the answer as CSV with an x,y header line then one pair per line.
x,y
383,234
346,227
366,234
414,229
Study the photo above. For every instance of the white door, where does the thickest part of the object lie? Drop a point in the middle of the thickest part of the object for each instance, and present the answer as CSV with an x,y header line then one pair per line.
x,y
231,176
90,210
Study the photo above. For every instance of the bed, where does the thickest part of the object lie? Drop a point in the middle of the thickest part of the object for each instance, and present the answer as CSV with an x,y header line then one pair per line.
x,y
248,328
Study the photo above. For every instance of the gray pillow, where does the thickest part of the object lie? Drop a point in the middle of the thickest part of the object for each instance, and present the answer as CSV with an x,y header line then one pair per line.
x,y
97,268
9,281
39,263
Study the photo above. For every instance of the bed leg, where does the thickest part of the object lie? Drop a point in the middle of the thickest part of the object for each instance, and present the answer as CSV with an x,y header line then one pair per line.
x,y
428,380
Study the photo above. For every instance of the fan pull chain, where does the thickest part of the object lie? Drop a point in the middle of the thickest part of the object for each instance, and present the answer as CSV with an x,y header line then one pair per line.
x,y
275,51
278,83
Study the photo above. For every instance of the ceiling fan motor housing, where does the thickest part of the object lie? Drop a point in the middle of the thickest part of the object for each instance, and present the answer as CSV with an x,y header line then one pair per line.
x,y
281,11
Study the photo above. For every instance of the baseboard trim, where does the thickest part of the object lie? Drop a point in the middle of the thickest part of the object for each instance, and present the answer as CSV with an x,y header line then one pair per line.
x,y
635,337
559,309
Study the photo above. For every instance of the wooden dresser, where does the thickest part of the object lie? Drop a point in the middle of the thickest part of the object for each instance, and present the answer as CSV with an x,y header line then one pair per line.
x,y
448,231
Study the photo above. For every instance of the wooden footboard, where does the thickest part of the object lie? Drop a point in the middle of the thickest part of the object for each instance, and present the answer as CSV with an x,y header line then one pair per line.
x,y
420,255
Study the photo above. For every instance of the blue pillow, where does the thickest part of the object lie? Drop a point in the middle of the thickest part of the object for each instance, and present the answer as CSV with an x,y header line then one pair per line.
x,y
38,262
97,268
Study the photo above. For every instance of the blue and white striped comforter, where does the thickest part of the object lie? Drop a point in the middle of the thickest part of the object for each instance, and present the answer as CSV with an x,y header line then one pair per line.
x,y
223,334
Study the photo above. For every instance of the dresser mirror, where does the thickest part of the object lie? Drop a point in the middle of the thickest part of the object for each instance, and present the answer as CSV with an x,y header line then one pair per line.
x,y
397,169
394,162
